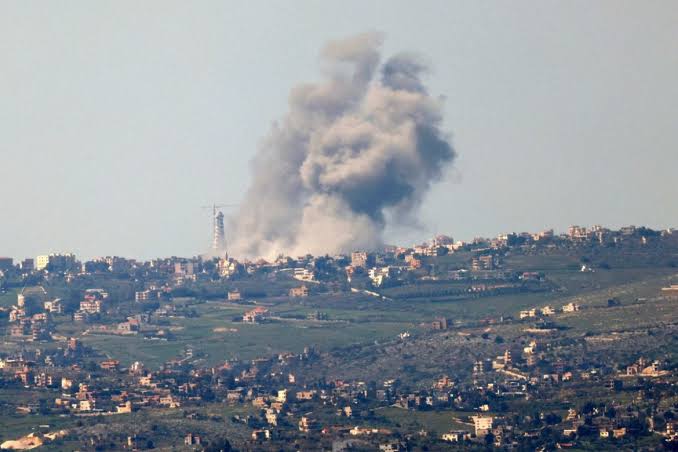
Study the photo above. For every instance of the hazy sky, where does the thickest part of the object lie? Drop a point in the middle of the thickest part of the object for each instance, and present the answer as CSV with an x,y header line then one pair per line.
x,y
120,119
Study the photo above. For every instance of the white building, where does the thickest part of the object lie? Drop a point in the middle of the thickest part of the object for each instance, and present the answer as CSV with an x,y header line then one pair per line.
x,y
547,310
54,306
528,313
304,274
379,275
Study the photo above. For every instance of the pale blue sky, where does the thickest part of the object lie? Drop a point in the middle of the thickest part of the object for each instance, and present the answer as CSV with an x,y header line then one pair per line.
x,y
119,119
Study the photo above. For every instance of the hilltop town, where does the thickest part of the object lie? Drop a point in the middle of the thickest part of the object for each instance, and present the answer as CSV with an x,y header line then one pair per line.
x,y
523,341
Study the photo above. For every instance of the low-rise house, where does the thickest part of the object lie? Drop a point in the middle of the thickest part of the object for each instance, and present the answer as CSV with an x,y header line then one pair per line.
x,y
169,401
192,440
278,406
255,315
528,313
146,295
439,324
66,383
55,306
271,416
124,408
301,291
503,361
455,436
306,424
547,310
110,364
380,275
571,307
619,432
80,316
262,434
443,382
395,446
305,395
86,405
364,431
90,306
128,327
147,380
259,402
234,396
531,348
569,431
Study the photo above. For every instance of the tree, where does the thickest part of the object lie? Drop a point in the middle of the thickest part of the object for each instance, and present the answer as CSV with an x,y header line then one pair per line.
x,y
588,407
552,419
218,445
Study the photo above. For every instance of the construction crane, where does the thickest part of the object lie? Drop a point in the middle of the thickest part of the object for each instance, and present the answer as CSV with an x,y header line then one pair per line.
x,y
219,236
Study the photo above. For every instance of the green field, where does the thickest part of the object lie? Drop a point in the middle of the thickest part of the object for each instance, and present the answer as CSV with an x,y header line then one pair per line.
x,y
8,299
435,422
357,319
217,336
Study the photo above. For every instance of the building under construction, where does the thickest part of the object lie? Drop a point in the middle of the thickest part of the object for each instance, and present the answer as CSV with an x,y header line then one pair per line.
x,y
219,239
218,248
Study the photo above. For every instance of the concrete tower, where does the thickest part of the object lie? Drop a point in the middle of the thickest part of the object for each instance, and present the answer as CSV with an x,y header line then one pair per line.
x,y
219,239
218,248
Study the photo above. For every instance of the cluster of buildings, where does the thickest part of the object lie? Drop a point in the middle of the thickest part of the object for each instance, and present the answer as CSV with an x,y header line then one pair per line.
x,y
382,268
286,402
546,311
31,317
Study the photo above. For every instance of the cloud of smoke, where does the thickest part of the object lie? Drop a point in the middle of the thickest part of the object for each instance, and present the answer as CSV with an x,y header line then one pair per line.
x,y
354,152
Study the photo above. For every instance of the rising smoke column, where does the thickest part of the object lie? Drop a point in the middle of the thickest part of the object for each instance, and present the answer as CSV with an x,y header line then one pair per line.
x,y
353,152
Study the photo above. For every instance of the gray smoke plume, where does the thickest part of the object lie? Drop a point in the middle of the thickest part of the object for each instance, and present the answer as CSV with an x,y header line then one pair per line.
x,y
353,152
